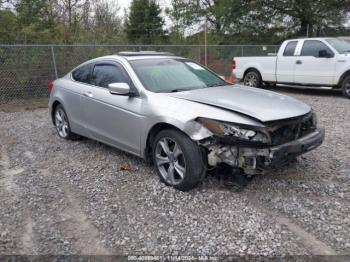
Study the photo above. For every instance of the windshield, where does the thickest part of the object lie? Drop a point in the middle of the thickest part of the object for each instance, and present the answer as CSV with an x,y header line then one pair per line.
x,y
340,45
165,75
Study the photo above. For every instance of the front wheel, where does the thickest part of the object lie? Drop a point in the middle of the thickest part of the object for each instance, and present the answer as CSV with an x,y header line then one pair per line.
x,y
345,86
178,160
252,79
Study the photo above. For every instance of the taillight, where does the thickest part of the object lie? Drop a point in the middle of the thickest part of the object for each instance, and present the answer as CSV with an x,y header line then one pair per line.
x,y
51,85
233,63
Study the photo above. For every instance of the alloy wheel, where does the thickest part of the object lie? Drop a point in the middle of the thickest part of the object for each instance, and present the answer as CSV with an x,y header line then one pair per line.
x,y
347,87
251,80
61,123
170,161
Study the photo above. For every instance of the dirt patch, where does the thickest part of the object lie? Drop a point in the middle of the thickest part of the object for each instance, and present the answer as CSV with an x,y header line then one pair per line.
x,y
21,105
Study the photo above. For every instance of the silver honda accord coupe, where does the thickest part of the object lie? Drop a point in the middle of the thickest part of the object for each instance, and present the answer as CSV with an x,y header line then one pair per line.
x,y
181,116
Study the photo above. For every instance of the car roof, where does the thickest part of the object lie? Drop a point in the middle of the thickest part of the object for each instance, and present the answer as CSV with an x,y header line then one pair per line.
x,y
310,38
130,56
144,53
135,57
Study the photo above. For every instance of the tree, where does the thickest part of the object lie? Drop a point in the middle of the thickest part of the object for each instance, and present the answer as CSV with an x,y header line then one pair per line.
x,y
72,16
106,17
257,21
306,16
31,12
8,22
144,24
179,14
223,17
107,25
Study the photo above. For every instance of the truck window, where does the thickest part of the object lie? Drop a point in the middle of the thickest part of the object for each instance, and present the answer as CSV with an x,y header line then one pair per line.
x,y
290,48
312,48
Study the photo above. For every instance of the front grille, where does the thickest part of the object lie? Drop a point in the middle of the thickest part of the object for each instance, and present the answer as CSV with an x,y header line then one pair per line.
x,y
292,130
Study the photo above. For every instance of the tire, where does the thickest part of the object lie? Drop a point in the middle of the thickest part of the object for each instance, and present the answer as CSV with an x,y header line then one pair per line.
x,y
345,86
252,79
62,124
178,160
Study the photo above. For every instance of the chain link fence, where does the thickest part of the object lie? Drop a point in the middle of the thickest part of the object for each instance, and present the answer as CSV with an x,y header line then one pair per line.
x,y
26,70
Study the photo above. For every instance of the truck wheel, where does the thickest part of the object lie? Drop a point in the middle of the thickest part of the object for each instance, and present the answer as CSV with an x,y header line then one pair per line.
x,y
178,160
345,85
253,79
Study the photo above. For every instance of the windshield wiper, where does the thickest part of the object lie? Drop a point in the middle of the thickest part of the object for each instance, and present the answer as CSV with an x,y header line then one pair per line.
x,y
177,90
217,84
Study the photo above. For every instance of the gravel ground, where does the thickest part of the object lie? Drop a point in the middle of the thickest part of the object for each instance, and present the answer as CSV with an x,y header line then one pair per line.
x,y
64,197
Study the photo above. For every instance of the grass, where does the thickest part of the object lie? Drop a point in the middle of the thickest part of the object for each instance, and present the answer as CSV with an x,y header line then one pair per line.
x,y
24,104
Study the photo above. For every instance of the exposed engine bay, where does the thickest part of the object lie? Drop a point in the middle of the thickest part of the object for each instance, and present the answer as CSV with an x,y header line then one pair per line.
x,y
254,151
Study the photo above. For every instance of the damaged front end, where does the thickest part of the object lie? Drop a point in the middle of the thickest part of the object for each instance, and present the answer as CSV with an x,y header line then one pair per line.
x,y
256,149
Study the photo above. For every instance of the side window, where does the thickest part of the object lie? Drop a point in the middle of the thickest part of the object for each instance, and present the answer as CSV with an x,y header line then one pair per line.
x,y
313,47
105,74
82,74
290,48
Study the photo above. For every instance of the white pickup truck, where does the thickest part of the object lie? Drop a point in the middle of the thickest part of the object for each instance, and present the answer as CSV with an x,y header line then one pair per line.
x,y
323,62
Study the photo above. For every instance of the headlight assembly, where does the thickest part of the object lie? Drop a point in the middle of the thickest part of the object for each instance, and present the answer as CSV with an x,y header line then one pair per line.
x,y
233,130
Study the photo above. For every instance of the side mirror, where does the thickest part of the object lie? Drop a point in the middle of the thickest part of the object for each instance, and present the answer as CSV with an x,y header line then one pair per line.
x,y
122,89
324,54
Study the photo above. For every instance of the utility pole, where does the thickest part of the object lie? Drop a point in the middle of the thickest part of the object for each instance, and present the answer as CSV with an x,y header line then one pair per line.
x,y
307,30
205,43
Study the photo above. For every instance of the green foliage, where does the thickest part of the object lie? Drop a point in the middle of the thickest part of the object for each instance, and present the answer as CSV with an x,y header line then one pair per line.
x,y
32,12
144,23
8,22
300,17
261,21
228,21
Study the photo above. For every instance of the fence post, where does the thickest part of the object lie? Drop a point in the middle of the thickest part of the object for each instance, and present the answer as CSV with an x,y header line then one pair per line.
x,y
242,51
53,57
199,54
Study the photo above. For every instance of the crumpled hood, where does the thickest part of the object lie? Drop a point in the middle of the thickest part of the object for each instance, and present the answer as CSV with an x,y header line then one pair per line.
x,y
257,103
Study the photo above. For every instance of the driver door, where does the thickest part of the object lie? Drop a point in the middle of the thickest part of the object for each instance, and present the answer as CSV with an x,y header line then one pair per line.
x,y
310,68
112,119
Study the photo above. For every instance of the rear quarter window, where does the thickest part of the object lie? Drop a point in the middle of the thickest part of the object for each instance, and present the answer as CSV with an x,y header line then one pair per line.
x,y
290,48
82,74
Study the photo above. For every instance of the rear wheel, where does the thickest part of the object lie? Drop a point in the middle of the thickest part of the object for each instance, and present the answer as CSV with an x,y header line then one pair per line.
x,y
252,79
62,124
345,85
178,160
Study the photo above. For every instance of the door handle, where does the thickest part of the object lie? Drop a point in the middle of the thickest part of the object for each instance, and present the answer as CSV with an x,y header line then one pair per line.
x,y
88,94
299,62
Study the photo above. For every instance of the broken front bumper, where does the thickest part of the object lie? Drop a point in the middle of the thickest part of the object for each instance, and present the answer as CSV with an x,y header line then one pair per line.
x,y
257,160
299,146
